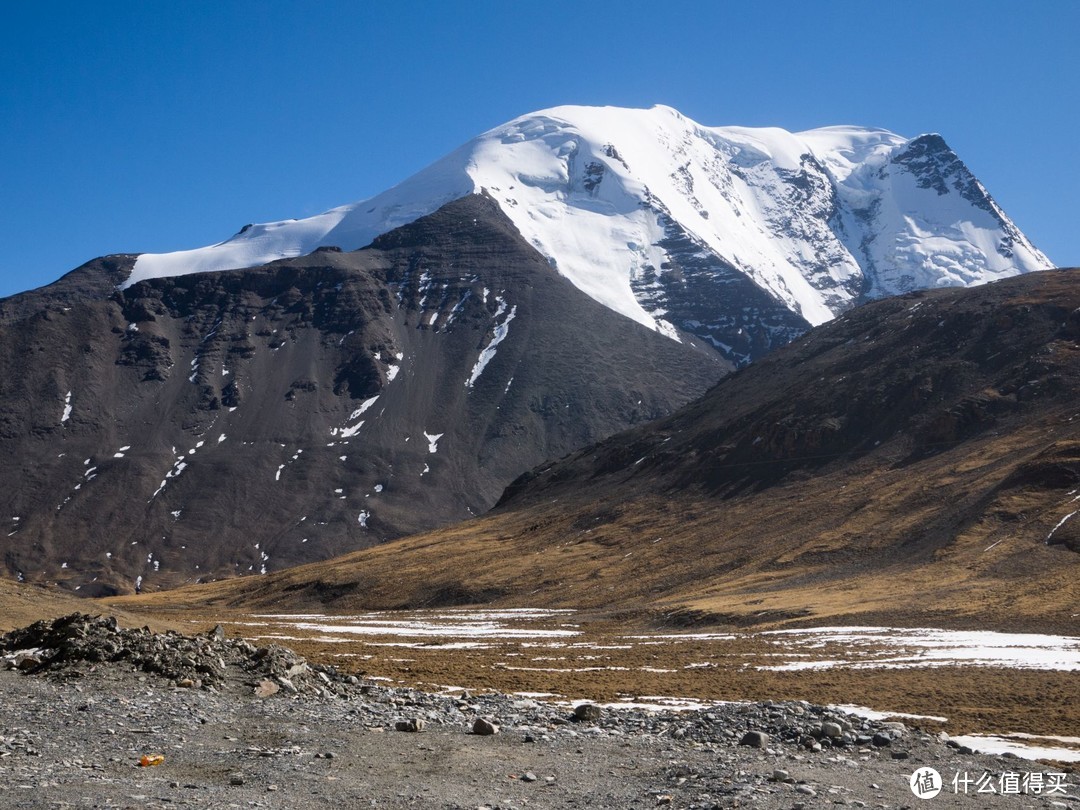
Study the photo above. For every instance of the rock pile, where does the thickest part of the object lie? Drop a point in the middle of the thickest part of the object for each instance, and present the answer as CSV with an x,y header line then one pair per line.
x,y
213,662
206,661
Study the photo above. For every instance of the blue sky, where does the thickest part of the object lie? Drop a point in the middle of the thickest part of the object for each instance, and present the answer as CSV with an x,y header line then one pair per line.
x,y
153,126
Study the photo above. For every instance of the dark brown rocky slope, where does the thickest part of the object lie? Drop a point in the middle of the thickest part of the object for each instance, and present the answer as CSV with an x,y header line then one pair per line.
x,y
916,460
243,421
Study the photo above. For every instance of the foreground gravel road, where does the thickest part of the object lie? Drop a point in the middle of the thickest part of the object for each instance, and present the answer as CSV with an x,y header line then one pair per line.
x,y
265,729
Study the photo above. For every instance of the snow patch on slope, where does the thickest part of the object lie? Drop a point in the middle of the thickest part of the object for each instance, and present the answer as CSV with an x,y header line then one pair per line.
x,y
501,331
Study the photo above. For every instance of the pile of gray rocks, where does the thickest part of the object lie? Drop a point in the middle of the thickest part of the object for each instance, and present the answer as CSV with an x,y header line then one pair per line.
x,y
72,643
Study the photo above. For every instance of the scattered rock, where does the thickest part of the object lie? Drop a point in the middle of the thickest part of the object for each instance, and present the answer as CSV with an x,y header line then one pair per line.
x,y
266,688
755,739
413,724
587,712
484,727
831,730
528,776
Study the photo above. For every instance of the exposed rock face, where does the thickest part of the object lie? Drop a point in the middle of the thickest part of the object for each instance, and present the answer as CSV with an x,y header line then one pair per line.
x,y
239,422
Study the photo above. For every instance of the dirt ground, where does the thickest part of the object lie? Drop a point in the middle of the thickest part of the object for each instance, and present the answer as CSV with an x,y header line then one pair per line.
x,y
612,661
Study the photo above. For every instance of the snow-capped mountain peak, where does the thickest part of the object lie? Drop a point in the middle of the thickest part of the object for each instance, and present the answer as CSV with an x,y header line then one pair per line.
x,y
742,236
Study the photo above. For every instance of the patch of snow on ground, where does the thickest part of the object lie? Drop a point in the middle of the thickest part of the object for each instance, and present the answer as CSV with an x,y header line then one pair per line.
x,y
67,409
452,624
433,441
501,331
1013,744
883,647
874,714
1060,523
349,432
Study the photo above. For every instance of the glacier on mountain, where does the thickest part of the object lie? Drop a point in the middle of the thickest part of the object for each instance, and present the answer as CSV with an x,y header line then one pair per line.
x,y
708,230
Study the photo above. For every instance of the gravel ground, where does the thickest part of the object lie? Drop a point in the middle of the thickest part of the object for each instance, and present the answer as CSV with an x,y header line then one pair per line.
x,y
266,729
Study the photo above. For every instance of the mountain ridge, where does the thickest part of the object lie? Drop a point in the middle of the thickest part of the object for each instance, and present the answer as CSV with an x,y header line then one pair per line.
x,y
207,425
646,211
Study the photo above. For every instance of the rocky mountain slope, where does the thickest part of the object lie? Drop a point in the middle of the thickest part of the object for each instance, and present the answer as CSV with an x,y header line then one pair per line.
x,y
915,460
206,425
744,237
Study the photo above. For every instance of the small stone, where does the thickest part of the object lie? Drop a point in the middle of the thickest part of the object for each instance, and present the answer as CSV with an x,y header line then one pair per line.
x,y
881,740
287,685
779,775
832,730
587,712
266,688
805,790
484,727
271,788
26,661
528,776
899,754
413,724
186,683
755,739
236,779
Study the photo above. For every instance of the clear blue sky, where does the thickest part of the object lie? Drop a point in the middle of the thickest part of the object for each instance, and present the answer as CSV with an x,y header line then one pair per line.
x,y
151,126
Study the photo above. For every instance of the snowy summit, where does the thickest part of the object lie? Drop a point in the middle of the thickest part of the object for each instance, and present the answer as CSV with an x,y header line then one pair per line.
x,y
645,209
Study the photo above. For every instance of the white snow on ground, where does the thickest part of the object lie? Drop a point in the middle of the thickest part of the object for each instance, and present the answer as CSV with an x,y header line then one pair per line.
x,y
501,331
1016,745
67,409
1060,523
433,441
351,430
588,186
455,624
884,647
362,518
874,714
179,465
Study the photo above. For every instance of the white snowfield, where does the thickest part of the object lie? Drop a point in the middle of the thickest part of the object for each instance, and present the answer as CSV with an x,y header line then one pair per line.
x,y
816,218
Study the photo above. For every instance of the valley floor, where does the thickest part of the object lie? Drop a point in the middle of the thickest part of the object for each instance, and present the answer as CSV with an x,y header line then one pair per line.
x,y
74,737
963,682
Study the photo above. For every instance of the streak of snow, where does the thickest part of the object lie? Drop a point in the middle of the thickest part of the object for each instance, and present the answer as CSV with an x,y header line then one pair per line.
x,y
1060,523
501,331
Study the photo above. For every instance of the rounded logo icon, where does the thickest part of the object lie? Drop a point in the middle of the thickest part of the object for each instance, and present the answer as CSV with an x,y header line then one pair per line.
x,y
925,783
